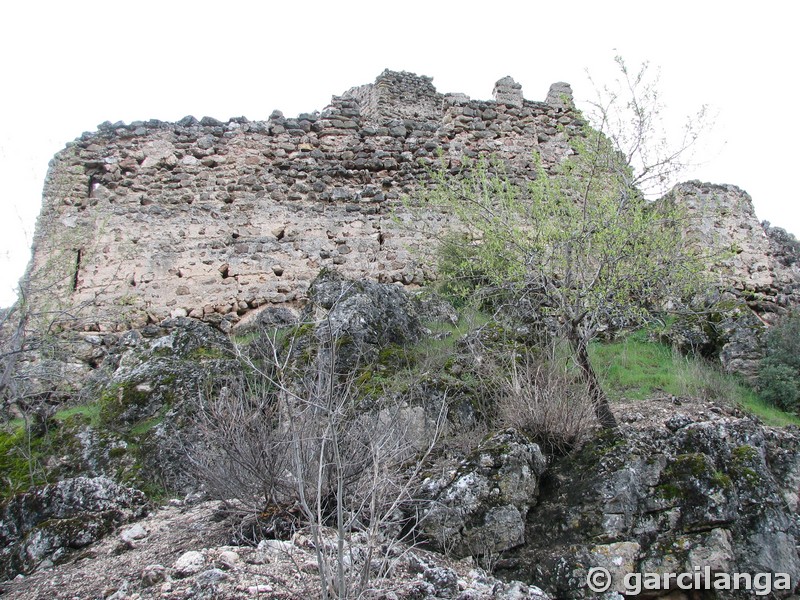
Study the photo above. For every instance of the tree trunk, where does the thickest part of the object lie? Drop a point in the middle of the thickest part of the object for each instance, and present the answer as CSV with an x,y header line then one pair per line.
x,y
599,399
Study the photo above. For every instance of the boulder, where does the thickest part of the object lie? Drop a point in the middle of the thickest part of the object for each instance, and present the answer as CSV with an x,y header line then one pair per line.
x,y
150,392
45,524
711,491
480,507
362,317
159,367
729,331
189,563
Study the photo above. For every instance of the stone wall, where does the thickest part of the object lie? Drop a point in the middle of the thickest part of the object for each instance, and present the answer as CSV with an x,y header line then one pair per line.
x,y
217,219
755,261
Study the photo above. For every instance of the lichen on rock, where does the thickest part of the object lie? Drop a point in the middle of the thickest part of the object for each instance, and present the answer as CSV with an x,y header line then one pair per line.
x,y
480,507
43,525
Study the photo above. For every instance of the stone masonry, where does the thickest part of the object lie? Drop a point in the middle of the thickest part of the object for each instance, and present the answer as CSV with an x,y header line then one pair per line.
x,y
756,262
216,220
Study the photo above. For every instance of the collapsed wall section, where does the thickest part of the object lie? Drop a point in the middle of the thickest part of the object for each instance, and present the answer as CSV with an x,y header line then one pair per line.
x,y
217,220
755,261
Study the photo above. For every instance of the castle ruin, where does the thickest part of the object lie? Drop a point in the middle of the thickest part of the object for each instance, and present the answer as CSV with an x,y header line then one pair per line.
x,y
216,220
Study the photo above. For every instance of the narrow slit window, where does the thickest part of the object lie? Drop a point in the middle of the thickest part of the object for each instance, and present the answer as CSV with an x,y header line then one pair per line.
x,y
75,275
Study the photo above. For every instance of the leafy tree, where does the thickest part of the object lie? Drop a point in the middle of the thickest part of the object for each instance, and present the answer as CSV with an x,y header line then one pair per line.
x,y
581,246
779,372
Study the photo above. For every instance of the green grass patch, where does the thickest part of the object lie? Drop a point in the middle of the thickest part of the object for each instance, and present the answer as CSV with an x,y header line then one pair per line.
x,y
88,412
770,414
20,466
635,368
208,353
468,320
441,343
148,424
12,425
244,339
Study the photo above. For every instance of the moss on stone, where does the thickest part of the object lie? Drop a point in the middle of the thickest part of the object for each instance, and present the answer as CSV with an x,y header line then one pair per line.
x,y
693,464
743,466
745,453
722,480
147,425
669,491
207,352
19,458
118,398
684,478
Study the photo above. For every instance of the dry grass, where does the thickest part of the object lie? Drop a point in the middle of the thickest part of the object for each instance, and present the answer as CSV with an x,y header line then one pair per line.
x,y
545,400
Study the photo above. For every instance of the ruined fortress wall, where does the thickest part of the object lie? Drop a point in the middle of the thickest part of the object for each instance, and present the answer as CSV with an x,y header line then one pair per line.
x,y
219,220
215,220
762,268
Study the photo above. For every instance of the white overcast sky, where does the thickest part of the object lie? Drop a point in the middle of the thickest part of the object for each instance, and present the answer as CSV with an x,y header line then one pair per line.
x,y
65,67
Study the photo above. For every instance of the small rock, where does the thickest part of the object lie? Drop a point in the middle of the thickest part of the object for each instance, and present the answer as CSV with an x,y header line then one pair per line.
x,y
444,580
228,559
189,563
632,417
678,421
121,593
153,574
259,589
211,576
193,498
135,532
274,546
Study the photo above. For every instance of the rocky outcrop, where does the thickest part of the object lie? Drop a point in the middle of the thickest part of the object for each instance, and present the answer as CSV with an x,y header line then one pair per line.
x,y
45,525
727,330
132,418
359,318
700,488
157,368
182,552
479,507
676,490
146,389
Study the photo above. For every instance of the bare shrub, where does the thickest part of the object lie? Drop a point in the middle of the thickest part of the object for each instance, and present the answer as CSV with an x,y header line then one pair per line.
x,y
242,455
543,398
292,445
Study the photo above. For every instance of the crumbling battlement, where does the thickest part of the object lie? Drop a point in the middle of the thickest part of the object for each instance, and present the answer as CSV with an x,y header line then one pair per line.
x,y
215,219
